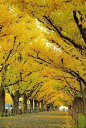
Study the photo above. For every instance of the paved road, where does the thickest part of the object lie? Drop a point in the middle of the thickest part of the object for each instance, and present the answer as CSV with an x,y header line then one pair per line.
x,y
50,119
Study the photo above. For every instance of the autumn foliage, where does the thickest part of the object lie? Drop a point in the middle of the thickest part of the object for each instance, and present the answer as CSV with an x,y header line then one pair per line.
x,y
43,50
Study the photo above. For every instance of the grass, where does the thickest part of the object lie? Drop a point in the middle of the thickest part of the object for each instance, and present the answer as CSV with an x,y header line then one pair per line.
x,y
81,121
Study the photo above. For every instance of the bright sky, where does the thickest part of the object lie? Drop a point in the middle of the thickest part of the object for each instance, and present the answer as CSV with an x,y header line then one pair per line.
x,y
62,107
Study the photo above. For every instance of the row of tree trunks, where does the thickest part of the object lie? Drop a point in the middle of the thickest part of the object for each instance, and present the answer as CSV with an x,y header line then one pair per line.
x,y
79,103
15,98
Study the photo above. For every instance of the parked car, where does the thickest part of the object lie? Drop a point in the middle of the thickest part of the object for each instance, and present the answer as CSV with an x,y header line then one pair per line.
x,y
8,107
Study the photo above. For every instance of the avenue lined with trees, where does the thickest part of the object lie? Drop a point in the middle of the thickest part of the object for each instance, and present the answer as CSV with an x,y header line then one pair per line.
x,y
43,52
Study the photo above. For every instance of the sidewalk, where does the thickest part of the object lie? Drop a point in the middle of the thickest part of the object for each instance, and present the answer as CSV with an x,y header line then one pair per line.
x,y
50,119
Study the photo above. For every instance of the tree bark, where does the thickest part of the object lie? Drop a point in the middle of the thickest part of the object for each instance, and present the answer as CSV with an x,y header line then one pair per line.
x,y
2,90
25,102
15,98
84,98
2,101
78,104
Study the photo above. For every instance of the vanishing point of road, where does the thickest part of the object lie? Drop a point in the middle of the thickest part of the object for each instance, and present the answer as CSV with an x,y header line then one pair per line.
x,y
47,119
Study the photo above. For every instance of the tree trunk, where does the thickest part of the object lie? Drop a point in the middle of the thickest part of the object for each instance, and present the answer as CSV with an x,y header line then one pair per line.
x,y
42,105
2,91
15,98
78,104
31,105
2,101
84,98
25,102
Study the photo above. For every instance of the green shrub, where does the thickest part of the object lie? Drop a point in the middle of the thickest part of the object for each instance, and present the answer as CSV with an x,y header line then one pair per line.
x,y
81,121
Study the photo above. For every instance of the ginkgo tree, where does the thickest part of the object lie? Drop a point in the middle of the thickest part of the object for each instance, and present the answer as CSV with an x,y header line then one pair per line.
x,y
48,34
15,36
69,32
25,89
66,83
50,95
71,41
31,79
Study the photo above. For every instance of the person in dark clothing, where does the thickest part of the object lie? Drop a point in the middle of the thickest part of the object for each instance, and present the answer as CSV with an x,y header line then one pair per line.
x,y
48,107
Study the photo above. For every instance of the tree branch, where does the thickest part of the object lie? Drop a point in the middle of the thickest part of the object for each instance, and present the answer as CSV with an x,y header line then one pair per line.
x,y
25,89
12,83
10,51
63,36
75,74
79,25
